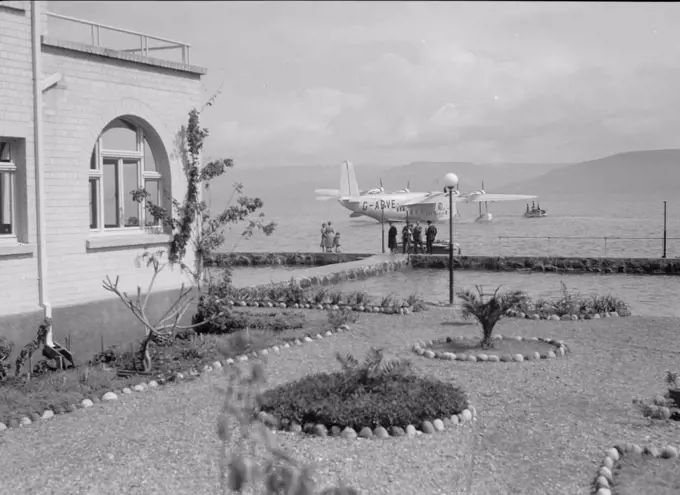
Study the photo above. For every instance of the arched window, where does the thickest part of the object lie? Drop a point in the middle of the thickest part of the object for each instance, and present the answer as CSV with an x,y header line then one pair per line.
x,y
121,162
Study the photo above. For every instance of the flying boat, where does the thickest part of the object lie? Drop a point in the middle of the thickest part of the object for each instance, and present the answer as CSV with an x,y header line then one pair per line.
x,y
405,205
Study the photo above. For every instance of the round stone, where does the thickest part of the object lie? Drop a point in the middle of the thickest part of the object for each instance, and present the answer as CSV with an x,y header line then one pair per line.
x,y
47,414
427,427
365,432
438,425
506,358
606,473
89,403
295,428
349,433
449,356
596,317
669,452
518,338
109,396
320,431
328,333
608,462
25,421
472,359
466,415
493,358
397,431
410,431
653,451
551,355
276,348
601,482
3,426
518,357
455,420
482,357
613,453
308,339
637,450
380,432
429,354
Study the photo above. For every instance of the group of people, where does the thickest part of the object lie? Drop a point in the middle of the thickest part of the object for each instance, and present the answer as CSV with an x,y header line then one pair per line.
x,y
330,239
534,208
412,236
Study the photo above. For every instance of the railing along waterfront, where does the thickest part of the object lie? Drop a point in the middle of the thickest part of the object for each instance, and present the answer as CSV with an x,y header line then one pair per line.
x,y
145,47
606,246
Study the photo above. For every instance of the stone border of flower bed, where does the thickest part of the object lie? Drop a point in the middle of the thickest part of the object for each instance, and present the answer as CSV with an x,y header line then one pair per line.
x,y
421,348
176,377
587,316
605,479
427,427
367,309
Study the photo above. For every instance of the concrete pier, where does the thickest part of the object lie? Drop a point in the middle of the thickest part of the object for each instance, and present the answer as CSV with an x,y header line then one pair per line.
x,y
331,273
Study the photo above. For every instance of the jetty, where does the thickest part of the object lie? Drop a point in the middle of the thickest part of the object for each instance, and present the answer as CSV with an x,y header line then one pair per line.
x,y
332,272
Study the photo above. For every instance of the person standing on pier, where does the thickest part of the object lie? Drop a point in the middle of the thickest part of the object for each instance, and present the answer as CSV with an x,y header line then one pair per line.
x,y
430,236
392,238
330,235
417,238
323,237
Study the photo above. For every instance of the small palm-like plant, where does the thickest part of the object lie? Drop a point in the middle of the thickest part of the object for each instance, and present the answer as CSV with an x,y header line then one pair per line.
x,y
375,364
671,379
488,311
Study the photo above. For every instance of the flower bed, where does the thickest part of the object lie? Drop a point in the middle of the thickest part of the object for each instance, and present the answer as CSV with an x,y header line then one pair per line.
x,y
379,398
565,317
626,471
506,349
292,295
46,396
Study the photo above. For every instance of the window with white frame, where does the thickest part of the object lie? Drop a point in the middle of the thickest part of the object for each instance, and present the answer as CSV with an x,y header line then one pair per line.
x,y
7,190
121,162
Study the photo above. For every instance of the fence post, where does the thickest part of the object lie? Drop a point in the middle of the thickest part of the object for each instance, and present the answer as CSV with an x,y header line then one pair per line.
x,y
605,247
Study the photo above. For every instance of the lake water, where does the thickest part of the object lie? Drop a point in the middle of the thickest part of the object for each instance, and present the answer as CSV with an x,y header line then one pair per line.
x,y
576,225
646,295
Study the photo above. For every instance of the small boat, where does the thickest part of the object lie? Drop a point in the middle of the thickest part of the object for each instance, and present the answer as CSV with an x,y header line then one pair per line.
x,y
535,212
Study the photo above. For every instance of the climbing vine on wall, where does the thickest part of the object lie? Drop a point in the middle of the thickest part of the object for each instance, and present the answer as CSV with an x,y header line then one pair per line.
x,y
191,221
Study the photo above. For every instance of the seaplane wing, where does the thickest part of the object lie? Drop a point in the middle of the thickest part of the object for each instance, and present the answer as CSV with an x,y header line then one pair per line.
x,y
493,198
426,198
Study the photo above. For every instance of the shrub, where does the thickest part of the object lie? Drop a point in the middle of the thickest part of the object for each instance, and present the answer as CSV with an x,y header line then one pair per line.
x,y
416,303
388,301
357,298
340,317
489,311
335,297
279,473
319,296
378,392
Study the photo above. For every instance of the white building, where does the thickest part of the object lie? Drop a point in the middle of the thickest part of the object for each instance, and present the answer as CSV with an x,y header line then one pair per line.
x,y
81,125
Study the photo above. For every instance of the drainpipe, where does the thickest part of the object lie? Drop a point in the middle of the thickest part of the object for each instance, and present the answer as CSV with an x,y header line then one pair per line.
x,y
36,45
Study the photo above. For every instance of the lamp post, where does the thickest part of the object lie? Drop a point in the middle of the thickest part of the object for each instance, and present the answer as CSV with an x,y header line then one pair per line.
x,y
382,224
663,255
450,182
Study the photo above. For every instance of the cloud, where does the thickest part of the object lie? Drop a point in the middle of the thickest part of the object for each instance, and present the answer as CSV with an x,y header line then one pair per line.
x,y
394,82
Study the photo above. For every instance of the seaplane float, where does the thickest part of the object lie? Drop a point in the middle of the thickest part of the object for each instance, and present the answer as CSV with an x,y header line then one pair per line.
x,y
405,205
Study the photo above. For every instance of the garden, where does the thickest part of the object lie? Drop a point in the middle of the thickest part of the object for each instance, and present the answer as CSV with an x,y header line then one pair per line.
x,y
281,390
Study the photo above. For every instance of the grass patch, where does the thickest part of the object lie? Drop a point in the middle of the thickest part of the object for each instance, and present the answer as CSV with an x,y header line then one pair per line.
x,y
636,474
58,390
504,346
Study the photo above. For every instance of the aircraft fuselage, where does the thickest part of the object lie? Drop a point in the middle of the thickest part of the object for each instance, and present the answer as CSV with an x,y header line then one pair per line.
x,y
374,206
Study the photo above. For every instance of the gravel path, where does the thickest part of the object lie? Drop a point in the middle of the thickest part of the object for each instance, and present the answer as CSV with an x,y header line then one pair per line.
x,y
543,426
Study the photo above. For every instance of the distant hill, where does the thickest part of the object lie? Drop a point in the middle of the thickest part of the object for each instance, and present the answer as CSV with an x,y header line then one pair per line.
x,y
653,172
423,176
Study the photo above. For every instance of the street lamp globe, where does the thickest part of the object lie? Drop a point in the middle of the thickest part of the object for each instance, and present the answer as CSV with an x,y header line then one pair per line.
x,y
450,180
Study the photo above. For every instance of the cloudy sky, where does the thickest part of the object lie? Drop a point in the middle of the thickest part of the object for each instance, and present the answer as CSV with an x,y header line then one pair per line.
x,y
392,82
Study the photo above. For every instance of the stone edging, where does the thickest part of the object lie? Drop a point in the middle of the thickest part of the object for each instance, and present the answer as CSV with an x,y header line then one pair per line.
x,y
605,480
153,384
427,427
536,316
421,348
366,309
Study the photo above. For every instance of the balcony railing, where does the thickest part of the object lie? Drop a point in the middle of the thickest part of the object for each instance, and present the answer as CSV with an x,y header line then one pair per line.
x,y
146,44
613,246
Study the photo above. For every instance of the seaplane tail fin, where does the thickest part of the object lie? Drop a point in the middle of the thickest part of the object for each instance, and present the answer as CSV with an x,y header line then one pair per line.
x,y
348,180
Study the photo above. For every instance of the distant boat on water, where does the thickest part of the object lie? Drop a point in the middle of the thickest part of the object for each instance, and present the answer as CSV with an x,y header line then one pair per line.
x,y
535,212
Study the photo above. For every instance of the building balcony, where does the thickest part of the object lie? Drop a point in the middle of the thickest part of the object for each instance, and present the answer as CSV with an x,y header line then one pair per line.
x,y
113,39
